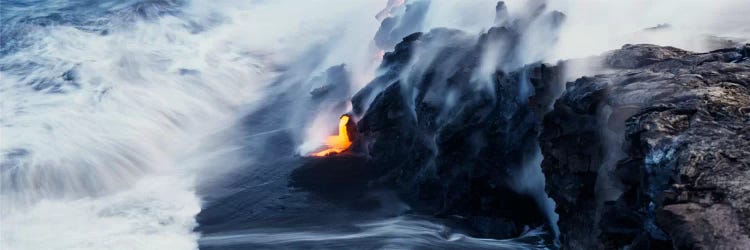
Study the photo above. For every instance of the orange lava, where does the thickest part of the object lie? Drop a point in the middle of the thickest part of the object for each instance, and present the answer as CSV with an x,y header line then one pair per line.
x,y
337,143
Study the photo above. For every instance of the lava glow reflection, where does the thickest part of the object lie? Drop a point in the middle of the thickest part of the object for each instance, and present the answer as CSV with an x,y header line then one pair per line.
x,y
337,143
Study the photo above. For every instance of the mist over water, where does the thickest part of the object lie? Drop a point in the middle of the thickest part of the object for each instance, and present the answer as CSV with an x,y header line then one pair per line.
x,y
116,116
105,109
403,232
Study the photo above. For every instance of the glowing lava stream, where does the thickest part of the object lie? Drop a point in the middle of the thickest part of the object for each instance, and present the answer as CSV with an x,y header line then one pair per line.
x,y
337,143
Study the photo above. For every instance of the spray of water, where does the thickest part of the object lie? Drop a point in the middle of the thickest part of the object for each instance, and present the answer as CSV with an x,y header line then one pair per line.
x,y
105,120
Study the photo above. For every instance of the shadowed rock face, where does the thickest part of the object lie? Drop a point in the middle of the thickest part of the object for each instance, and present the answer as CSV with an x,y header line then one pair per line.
x,y
454,159
655,153
455,137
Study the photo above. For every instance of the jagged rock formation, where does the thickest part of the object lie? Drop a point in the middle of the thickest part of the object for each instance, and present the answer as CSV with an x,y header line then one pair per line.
x,y
454,157
651,152
655,153
455,129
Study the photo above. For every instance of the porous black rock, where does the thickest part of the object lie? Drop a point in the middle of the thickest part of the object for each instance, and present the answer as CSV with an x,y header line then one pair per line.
x,y
650,153
655,153
452,143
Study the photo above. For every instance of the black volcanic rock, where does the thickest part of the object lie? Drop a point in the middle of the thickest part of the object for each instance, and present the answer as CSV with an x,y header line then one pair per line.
x,y
652,153
452,142
655,153
637,56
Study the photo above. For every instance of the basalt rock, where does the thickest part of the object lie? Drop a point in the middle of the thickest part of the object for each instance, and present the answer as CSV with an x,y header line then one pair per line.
x,y
655,153
454,140
650,152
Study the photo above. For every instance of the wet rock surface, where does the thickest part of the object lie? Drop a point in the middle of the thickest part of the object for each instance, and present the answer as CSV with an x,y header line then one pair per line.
x,y
655,153
650,151
458,142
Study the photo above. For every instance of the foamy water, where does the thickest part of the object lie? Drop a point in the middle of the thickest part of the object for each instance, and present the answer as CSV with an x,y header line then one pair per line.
x,y
103,117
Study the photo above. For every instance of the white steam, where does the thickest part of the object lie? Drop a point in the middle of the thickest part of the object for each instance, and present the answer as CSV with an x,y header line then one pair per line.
x,y
595,26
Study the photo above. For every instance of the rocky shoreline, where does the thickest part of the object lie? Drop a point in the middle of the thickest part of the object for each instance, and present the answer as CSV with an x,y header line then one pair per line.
x,y
649,149
655,153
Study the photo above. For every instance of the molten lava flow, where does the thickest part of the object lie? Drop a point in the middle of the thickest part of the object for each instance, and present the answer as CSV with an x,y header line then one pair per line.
x,y
337,143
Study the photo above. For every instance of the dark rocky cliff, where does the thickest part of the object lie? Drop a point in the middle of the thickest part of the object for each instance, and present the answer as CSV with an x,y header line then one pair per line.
x,y
455,144
655,153
453,119
650,151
